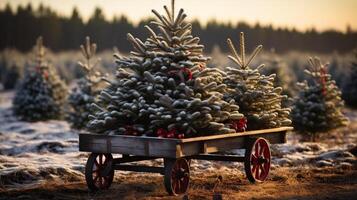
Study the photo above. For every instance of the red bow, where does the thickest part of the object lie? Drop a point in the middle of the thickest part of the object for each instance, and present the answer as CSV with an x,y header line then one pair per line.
x,y
187,74
43,72
239,125
169,134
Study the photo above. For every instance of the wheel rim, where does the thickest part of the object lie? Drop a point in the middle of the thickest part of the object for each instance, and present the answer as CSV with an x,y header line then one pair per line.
x,y
177,176
260,159
180,176
100,164
99,172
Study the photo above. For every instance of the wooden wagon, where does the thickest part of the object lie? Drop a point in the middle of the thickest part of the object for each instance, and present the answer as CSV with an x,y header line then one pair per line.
x,y
177,153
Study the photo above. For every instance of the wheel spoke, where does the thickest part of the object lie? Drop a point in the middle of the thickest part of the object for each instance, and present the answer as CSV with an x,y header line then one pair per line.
x,y
262,149
262,170
106,181
254,159
101,181
267,153
185,182
257,172
174,184
256,148
254,168
105,159
96,178
267,166
178,186
100,159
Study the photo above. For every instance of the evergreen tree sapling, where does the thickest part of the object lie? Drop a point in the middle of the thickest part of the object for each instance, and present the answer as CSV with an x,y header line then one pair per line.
x,y
318,106
349,92
41,94
258,99
83,95
164,88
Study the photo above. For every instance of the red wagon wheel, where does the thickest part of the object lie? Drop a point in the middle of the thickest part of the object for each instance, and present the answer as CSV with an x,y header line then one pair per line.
x,y
99,172
257,160
177,176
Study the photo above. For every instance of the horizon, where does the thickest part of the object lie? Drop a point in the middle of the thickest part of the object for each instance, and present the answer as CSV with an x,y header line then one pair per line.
x,y
275,12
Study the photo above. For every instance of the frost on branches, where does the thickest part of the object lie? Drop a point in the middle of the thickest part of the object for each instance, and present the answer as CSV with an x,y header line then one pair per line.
x,y
164,88
258,99
41,94
83,95
318,106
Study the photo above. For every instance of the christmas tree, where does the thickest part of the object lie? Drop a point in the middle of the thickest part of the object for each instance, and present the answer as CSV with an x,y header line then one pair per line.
x,y
318,106
83,95
349,93
41,94
164,88
258,99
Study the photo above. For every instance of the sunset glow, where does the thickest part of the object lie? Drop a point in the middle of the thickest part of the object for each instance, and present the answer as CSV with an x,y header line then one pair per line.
x,y
301,14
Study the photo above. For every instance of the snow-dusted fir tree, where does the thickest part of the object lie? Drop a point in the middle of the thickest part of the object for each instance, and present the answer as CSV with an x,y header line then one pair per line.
x,y
164,88
349,92
258,99
318,107
41,94
83,95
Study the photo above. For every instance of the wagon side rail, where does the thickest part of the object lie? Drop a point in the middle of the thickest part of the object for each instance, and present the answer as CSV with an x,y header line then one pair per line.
x,y
175,148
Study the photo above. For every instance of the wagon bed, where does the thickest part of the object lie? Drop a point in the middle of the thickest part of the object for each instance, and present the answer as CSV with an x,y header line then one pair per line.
x,y
177,154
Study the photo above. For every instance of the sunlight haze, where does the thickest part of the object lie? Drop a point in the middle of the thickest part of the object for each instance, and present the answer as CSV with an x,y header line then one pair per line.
x,y
302,14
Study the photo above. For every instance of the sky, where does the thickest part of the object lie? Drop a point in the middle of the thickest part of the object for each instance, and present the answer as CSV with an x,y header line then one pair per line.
x,y
300,14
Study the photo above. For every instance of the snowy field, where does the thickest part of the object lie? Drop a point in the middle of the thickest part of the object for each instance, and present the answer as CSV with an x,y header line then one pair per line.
x,y
31,153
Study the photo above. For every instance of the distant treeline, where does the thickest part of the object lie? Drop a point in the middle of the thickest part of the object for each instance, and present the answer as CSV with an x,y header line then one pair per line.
x,y
20,28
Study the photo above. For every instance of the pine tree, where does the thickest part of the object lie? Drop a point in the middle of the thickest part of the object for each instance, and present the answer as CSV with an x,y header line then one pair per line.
x,y
41,94
349,92
258,99
318,106
83,95
164,88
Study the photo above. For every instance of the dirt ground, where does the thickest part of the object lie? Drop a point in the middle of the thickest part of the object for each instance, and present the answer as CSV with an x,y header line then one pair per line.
x,y
283,183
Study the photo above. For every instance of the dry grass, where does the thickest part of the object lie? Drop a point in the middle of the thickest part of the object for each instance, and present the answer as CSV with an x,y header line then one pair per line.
x,y
284,183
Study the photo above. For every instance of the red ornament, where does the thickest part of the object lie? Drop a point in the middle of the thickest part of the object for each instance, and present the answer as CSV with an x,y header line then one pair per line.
x,y
129,130
239,125
169,134
161,132
187,73
45,74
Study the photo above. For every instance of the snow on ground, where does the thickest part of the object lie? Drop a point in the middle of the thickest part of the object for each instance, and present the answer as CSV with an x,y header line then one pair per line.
x,y
31,153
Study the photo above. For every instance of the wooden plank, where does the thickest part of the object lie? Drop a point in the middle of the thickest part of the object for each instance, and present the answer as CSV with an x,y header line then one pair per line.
x,y
127,159
226,144
229,135
140,146
175,148
139,168
217,157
